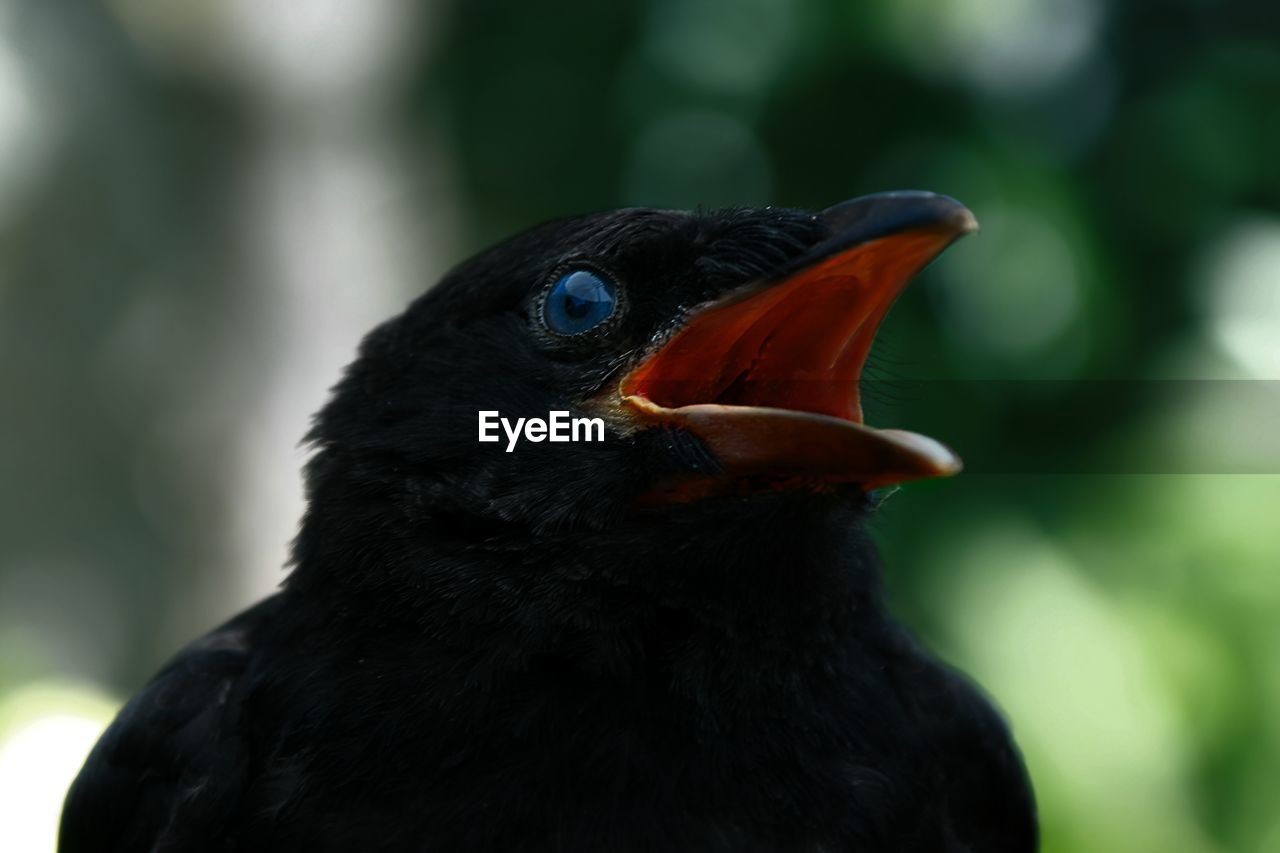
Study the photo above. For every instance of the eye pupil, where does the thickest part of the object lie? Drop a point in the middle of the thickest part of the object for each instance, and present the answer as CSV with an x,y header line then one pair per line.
x,y
577,308
579,301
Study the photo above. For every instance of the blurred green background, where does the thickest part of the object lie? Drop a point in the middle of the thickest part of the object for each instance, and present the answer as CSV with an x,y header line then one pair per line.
x,y
204,204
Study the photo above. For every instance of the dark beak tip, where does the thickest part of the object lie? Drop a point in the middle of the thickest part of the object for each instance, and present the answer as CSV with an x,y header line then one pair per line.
x,y
881,214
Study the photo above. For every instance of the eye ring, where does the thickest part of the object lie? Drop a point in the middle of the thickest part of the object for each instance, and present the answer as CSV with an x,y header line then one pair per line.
x,y
580,300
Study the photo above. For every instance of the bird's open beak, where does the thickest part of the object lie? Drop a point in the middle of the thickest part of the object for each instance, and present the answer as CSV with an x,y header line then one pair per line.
x,y
767,376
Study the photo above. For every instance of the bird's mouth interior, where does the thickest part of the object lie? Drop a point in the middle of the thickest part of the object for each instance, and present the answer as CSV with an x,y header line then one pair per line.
x,y
768,376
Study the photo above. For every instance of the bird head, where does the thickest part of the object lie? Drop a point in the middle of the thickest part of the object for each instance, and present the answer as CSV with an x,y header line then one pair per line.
x,y
721,351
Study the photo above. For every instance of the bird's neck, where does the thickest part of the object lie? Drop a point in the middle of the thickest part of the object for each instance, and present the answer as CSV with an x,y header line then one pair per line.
x,y
780,580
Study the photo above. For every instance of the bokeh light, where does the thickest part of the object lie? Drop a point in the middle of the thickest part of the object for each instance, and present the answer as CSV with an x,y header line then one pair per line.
x,y
24,119
697,158
1240,282
1016,291
998,46
46,731
737,47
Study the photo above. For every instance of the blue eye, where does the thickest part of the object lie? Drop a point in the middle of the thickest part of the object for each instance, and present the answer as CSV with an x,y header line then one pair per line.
x,y
579,301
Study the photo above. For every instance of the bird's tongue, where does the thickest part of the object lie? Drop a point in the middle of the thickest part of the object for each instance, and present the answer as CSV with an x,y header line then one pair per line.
x,y
767,377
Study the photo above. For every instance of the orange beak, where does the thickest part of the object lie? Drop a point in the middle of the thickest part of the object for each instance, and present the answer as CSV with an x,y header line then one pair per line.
x,y
767,377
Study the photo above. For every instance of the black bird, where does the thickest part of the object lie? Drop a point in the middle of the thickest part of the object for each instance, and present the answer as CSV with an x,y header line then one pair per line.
x,y
673,639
